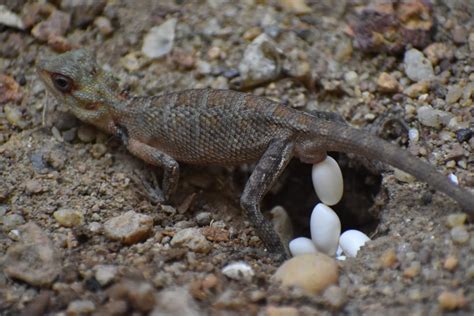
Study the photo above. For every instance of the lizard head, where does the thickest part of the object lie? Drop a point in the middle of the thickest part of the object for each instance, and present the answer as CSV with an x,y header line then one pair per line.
x,y
76,80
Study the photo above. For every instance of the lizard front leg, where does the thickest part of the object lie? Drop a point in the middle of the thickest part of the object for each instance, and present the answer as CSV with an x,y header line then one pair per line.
x,y
155,157
268,169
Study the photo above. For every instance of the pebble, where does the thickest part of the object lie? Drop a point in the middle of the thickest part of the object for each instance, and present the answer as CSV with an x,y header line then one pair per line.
x,y
459,234
159,40
455,93
281,311
69,217
413,270
57,24
301,246
105,274
352,78
80,307
450,263
388,259
295,6
239,271
103,25
34,259
417,89
327,181
351,241
83,11
260,62
429,116
86,133
456,219
451,300
14,116
436,52
193,239
459,34
10,19
140,294
311,272
11,221
98,150
417,66
129,228
471,42
335,296
203,218
325,229
387,84
175,301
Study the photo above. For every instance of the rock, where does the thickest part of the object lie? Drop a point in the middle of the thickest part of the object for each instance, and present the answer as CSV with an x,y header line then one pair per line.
x,y
83,11
459,34
10,19
159,40
312,272
193,239
175,301
352,78
295,6
281,311
387,84
203,218
98,150
261,62
471,42
103,25
33,186
140,294
335,296
86,133
459,234
239,271
69,217
10,91
34,259
104,274
456,219
417,66
388,259
451,300
417,89
437,52
80,307
11,221
429,116
57,24
129,228
451,263
455,93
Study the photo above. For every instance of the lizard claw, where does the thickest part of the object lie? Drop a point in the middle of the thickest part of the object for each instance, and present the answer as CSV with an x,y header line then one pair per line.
x,y
151,191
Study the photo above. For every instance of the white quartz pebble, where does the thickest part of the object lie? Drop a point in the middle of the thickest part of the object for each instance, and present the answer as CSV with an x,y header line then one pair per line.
x,y
301,246
325,229
327,181
351,241
239,270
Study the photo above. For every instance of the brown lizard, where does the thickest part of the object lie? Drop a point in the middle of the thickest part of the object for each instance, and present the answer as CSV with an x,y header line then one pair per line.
x,y
221,127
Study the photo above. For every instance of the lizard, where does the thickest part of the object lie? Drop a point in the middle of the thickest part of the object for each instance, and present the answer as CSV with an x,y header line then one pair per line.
x,y
222,127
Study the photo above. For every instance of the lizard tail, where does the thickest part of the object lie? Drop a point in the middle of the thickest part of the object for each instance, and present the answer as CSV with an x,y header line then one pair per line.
x,y
336,136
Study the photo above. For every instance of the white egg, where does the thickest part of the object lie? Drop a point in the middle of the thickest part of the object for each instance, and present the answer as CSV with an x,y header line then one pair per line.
x,y
325,229
351,241
327,181
301,246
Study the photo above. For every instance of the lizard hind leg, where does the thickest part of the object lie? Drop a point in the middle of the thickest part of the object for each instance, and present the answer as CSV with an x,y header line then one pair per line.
x,y
268,169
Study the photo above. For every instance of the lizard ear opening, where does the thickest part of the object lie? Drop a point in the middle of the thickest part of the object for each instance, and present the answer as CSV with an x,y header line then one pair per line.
x,y
62,83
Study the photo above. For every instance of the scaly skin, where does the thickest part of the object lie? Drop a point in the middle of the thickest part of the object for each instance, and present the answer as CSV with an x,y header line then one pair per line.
x,y
224,128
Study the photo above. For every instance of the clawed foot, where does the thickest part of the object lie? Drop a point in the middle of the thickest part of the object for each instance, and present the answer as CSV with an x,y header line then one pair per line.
x,y
151,191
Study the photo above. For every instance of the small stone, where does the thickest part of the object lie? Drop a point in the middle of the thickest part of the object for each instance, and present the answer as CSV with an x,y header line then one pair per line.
x,y
464,134
57,24
402,176
14,116
10,19
193,239
140,294
104,274
417,66
281,311
33,186
436,52
11,221
429,116
387,84
239,271
451,300
34,259
471,42
98,150
312,272
159,40
203,218
86,133
175,301
83,11
459,34
80,307
455,93
335,296
69,217
417,89
451,263
413,270
352,78
129,228
260,62
103,25
459,234
10,91
388,259
295,6
456,219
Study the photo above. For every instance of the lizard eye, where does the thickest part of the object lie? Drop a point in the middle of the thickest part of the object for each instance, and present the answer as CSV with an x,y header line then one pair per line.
x,y
62,83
